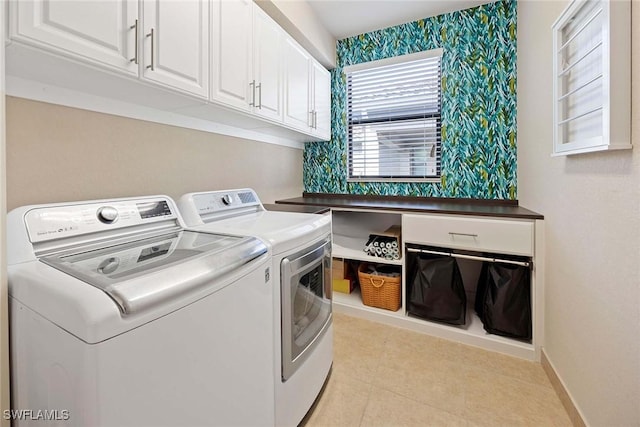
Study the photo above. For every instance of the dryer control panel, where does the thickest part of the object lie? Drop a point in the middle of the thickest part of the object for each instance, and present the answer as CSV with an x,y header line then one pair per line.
x,y
203,208
61,221
217,201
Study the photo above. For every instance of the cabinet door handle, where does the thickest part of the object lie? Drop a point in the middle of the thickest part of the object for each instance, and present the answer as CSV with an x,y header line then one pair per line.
x,y
310,121
150,66
259,87
315,119
135,49
451,233
253,93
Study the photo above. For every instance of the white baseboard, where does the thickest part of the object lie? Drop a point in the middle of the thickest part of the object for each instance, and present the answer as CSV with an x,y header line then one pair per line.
x,y
577,419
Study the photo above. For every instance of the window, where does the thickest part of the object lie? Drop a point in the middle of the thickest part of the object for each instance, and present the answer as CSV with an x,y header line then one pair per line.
x,y
592,77
393,118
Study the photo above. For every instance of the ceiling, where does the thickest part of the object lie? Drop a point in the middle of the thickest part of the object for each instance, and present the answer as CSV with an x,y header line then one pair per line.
x,y
345,18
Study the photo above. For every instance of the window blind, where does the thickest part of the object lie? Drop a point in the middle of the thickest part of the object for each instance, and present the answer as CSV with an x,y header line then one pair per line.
x,y
393,118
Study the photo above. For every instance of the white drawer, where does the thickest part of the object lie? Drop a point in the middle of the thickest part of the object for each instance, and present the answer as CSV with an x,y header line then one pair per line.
x,y
479,234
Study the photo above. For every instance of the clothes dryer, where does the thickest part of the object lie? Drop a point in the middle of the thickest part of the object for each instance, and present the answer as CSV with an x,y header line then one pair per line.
x,y
301,247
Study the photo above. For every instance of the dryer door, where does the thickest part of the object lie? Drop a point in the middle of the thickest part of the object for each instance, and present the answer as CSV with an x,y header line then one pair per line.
x,y
306,303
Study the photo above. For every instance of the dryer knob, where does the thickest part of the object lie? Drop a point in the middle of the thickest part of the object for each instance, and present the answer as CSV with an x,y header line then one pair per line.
x,y
227,200
107,214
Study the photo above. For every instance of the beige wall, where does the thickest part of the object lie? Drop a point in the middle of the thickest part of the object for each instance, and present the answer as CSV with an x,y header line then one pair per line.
x,y
591,205
59,154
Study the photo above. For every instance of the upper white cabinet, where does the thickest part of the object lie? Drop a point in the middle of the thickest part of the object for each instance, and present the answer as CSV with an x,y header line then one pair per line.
x,y
247,72
176,44
168,44
296,87
267,71
592,77
307,93
98,31
232,60
222,61
320,105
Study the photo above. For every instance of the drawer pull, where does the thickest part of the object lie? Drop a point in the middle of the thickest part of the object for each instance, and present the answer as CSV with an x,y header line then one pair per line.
x,y
451,233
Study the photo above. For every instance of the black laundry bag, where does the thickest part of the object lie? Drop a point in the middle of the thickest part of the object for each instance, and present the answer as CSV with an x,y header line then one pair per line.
x,y
436,291
481,291
503,300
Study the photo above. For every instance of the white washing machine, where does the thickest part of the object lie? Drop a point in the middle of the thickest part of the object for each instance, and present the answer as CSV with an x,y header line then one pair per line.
x,y
120,317
301,248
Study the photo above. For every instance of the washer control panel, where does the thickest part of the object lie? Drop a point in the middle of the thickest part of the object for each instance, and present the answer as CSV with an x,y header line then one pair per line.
x,y
63,221
108,214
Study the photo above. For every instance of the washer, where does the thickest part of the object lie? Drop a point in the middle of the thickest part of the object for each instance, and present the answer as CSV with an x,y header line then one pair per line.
x,y
121,317
301,248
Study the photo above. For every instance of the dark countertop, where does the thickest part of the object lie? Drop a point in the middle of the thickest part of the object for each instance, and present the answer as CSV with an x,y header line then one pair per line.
x,y
476,207
282,207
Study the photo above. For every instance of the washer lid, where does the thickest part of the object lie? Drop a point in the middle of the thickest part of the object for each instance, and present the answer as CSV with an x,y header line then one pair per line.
x,y
187,260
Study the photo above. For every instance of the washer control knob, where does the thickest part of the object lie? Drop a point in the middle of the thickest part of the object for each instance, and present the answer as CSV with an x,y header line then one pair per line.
x,y
227,200
109,265
107,214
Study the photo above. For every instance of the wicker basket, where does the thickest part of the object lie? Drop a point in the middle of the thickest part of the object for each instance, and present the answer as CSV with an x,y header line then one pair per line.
x,y
379,291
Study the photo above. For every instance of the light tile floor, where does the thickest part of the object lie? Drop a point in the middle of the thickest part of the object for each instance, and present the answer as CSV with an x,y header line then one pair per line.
x,y
386,376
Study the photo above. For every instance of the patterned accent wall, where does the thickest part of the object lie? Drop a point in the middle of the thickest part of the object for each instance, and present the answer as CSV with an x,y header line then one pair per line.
x,y
478,105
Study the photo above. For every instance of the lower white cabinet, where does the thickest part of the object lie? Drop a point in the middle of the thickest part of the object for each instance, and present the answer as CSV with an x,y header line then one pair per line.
x,y
474,242
476,234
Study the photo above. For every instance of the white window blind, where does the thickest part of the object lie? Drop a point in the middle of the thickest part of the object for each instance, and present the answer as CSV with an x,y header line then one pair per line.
x,y
393,118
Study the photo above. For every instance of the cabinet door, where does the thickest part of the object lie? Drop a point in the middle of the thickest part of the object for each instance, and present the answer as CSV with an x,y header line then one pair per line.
x,y
232,56
99,31
267,66
321,101
297,100
176,44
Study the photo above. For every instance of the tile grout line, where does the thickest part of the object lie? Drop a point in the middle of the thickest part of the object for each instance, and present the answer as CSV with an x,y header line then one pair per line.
x,y
371,384
386,340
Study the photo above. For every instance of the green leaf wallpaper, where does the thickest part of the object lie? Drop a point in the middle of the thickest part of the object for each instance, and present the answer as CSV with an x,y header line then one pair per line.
x,y
478,105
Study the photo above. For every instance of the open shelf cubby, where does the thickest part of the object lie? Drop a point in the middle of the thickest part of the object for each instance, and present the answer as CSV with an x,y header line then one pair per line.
x,y
351,230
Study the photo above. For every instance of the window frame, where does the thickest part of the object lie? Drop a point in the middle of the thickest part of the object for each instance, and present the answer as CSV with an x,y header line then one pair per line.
x,y
427,54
